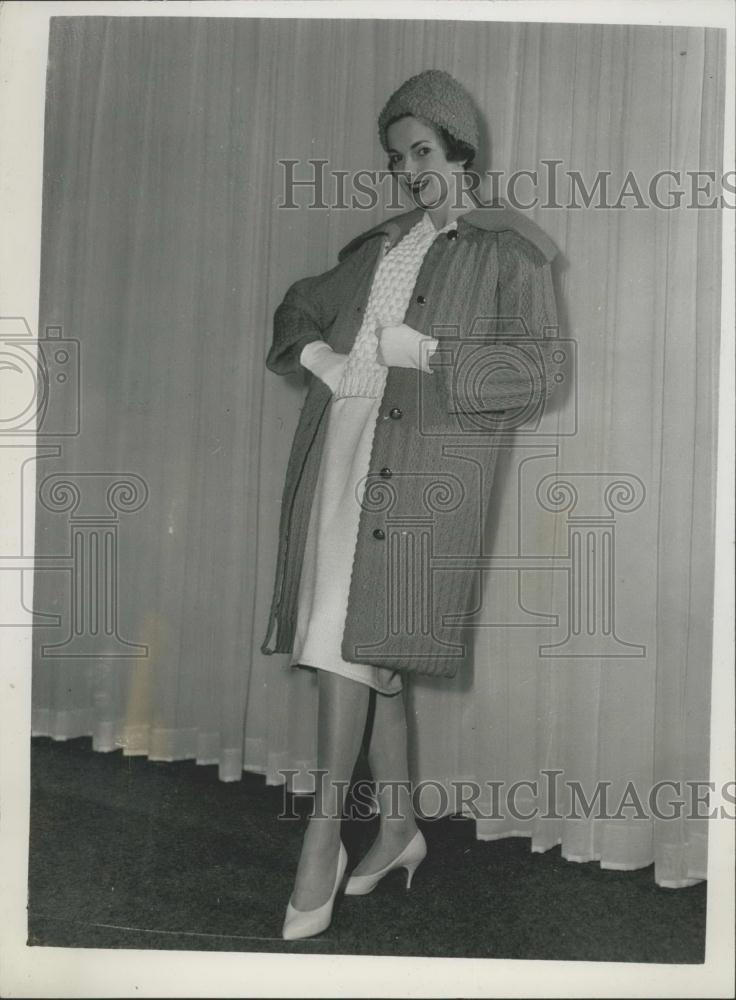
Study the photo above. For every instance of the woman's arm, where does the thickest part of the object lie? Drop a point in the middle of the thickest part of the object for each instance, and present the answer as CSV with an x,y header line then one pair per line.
x,y
506,362
308,309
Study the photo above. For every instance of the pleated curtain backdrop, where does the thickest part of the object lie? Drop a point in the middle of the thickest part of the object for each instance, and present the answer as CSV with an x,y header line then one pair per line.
x,y
164,254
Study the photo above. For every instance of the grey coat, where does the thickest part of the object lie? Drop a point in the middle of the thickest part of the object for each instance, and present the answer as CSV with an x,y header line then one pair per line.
x,y
486,294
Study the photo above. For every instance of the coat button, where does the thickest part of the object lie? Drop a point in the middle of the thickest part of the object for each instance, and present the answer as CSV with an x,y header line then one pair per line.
x,y
379,533
386,472
395,413
421,300
452,234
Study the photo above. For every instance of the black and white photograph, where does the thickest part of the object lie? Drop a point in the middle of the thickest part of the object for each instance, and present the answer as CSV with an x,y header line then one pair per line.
x,y
367,499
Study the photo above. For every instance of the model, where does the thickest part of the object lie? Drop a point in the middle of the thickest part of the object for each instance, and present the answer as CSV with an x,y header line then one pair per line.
x,y
432,328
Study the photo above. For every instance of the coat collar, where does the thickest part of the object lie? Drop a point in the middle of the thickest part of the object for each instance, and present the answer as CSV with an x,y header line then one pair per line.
x,y
495,218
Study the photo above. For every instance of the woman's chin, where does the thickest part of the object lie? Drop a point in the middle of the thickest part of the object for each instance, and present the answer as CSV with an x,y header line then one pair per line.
x,y
427,198
422,200
428,204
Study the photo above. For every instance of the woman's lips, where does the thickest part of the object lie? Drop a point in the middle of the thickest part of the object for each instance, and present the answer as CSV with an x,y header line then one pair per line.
x,y
418,186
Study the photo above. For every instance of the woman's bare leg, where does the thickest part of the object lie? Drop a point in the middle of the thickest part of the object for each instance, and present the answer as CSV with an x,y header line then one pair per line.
x,y
388,760
343,709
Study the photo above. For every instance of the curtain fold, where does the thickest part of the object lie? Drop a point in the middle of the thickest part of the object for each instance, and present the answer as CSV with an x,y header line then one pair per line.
x,y
165,254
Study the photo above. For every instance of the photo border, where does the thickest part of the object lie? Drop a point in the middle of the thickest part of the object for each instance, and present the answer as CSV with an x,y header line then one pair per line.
x,y
61,972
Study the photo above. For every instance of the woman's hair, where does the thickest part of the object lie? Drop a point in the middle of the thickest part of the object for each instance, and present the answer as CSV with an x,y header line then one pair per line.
x,y
456,151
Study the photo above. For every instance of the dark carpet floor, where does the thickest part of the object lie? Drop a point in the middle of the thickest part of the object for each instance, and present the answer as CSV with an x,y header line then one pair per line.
x,y
128,853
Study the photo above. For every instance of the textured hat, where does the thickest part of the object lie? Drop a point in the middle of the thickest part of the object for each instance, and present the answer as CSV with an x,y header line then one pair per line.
x,y
438,98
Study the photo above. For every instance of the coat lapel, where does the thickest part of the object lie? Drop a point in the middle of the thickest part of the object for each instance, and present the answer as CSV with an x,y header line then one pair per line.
x,y
499,217
494,217
395,229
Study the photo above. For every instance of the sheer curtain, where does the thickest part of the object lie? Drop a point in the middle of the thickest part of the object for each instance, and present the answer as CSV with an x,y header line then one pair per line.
x,y
165,255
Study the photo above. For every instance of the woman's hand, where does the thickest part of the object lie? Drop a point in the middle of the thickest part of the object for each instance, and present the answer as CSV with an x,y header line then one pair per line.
x,y
319,358
404,347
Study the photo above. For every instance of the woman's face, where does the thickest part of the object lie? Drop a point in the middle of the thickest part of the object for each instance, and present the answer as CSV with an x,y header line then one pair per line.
x,y
414,149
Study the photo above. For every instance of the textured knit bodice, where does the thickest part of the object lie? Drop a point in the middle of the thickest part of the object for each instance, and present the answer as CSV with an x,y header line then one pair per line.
x,y
388,301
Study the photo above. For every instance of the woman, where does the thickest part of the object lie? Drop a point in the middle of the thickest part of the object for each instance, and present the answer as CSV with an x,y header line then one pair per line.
x,y
429,332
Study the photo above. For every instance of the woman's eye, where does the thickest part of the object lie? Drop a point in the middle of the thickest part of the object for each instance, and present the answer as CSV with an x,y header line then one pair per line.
x,y
424,150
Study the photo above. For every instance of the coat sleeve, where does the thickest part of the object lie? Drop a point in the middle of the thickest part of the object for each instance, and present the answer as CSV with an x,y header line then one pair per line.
x,y
306,312
505,362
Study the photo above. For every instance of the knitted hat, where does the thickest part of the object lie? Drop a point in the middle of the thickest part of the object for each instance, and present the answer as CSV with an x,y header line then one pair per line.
x,y
438,98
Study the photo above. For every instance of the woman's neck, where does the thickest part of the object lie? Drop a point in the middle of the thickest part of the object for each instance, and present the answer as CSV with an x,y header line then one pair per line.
x,y
454,206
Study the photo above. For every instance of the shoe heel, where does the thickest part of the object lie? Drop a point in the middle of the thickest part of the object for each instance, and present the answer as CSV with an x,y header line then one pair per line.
x,y
410,869
360,885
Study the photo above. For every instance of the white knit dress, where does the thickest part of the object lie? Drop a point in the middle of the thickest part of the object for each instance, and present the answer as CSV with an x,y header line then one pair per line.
x,y
333,526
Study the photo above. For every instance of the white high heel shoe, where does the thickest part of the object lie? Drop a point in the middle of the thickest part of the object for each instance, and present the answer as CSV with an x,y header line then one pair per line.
x,y
410,858
307,923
